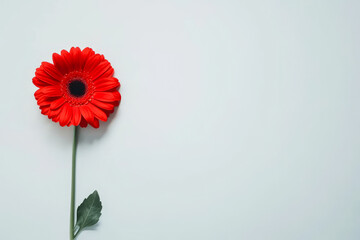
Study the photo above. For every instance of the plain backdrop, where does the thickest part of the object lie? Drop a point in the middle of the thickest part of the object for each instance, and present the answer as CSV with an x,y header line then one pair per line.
x,y
239,120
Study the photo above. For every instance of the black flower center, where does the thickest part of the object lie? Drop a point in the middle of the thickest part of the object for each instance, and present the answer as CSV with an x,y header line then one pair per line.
x,y
77,88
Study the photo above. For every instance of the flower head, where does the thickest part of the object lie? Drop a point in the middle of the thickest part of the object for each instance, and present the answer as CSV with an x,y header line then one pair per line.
x,y
77,89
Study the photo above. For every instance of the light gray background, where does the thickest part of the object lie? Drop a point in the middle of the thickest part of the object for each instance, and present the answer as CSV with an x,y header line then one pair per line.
x,y
239,120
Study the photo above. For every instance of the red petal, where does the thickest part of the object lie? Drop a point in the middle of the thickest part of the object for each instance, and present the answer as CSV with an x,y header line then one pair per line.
x,y
108,112
55,118
57,103
60,63
38,94
54,113
52,71
44,77
65,115
92,62
107,96
76,57
106,80
85,55
43,101
95,123
100,70
83,123
99,114
86,113
45,110
68,59
102,105
39,83
106,84
51,91
108,73
76,116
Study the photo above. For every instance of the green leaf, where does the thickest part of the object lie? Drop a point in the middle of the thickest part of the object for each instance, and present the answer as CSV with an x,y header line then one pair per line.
x,y
89,212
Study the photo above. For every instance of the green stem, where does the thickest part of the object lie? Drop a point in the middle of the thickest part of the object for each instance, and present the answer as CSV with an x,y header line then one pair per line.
x,y
73,170
77,233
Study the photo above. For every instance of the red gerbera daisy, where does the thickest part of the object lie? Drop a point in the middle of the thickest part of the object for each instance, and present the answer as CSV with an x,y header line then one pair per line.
x,y
78,89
